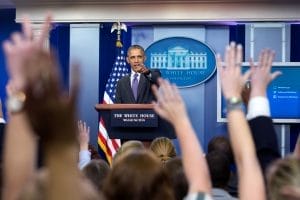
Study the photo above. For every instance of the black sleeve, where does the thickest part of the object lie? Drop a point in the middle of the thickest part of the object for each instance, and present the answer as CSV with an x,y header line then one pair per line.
x,y
153,75
265,139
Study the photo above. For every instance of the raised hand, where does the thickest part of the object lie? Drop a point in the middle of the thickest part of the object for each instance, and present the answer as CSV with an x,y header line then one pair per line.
x,y
83,135
261,74
170,105
232,81
21,46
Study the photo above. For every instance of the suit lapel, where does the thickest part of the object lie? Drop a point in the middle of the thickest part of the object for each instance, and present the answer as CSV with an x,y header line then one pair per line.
x,y
142,86
129,89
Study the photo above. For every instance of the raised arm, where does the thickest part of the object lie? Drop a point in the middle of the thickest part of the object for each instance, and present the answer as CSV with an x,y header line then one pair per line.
x,y
171,107
20,142
20,149
84,139
251,185
260,122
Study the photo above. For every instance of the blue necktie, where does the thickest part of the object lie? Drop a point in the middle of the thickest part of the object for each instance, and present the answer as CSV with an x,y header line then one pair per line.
x,y
134,86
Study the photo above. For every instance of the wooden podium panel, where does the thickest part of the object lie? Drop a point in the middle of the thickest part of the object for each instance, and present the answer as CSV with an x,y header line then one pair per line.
x,y
134,122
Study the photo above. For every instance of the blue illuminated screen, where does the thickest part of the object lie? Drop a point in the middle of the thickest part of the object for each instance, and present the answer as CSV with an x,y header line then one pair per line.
x,y
283,94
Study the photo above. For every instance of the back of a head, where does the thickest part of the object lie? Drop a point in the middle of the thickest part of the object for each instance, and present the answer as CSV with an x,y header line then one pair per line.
x,y
283,179
219,168
96,171
138,175
128,146
180,185
163,148
222,144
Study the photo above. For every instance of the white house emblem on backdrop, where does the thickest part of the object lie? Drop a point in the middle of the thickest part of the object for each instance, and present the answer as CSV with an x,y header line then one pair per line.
x,y
184,61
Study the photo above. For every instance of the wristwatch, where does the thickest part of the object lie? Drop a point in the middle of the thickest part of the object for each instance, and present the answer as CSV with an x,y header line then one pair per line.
x,y
234,103
15,102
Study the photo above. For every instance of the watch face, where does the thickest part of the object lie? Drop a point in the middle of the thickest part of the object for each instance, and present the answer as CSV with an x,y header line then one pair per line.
x,y
234,100
15,102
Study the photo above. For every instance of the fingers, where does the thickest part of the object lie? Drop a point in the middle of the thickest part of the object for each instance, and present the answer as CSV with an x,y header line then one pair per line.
x,y
26,28
274,75
45,30
239,56
246,76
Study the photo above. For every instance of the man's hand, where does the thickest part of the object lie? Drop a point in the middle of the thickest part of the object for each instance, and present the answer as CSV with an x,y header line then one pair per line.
x,y
143,69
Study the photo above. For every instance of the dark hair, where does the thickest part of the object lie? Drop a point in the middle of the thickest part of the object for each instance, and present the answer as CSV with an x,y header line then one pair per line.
x,y
179,182
96,171
94,152
222,144
136,46
138,175
219,168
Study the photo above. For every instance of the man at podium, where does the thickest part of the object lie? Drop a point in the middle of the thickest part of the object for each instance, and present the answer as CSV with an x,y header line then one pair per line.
x,y
136,87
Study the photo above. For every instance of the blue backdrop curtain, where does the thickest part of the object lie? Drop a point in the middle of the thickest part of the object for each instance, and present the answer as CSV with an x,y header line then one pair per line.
x,y
60,44
8,26
237,34
295,57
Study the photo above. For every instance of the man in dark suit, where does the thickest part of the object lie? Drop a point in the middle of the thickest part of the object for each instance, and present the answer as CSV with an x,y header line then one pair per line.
x,y
140,76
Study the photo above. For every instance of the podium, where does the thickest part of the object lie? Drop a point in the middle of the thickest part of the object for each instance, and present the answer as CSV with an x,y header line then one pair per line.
x,y
134,122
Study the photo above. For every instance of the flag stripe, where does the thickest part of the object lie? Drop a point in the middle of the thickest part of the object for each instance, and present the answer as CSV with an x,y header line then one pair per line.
x,y
107,145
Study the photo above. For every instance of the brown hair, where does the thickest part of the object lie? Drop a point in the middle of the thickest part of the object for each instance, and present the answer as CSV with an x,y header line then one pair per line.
x,y
138,175
128,146
96,171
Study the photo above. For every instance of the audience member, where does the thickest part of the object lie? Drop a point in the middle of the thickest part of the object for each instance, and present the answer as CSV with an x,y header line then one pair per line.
x,y
2,127
283,179
96,171
40,110
219,168
179,182
84,139
136,175
171,107
222,144
232,82
163,148
127,147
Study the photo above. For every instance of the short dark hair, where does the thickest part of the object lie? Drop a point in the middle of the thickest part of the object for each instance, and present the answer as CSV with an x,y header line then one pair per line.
x,y
222,144
179,182
135,46
219,168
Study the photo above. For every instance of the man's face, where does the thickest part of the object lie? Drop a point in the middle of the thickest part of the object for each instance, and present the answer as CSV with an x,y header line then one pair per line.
x,y
136,59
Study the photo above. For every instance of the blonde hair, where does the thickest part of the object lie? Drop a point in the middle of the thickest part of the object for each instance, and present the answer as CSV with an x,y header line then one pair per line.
x,y
127,147
163,148
283,174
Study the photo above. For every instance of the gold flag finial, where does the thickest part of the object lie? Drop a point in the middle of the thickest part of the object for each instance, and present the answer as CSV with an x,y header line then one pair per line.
x,y
119,27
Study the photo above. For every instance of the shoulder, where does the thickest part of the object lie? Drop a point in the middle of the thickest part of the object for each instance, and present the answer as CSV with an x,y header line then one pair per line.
x,y
198,196
124,78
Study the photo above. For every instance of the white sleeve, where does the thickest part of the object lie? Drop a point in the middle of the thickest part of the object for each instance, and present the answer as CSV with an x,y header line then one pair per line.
x,y
84,158
258,106
2,120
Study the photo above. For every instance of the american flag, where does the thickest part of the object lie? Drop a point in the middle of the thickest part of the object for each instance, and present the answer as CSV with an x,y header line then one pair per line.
x,y
107,145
